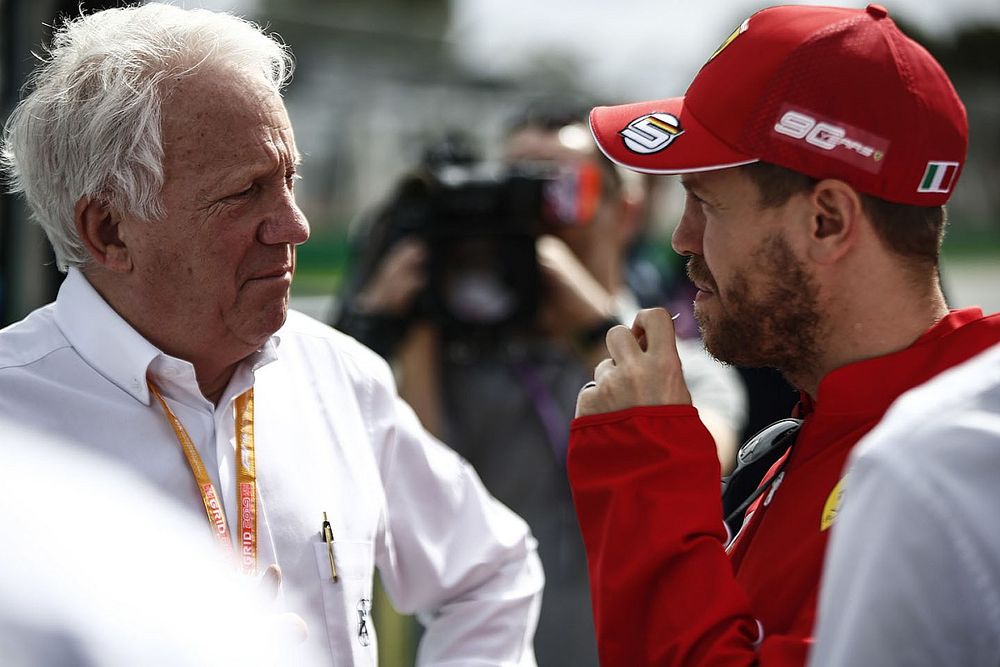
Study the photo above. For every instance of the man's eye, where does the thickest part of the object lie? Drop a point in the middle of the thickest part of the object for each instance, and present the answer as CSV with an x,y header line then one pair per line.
x,y
290,179
244,193
703,203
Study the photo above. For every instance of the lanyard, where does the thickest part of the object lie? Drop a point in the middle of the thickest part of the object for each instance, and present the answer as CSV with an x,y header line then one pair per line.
x,y
246,481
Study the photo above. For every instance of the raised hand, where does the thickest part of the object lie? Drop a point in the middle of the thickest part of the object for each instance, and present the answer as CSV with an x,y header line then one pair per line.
x,y
644,368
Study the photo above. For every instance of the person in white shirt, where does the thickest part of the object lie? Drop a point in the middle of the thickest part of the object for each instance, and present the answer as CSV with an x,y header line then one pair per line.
x,y
912,573
155,151
65,600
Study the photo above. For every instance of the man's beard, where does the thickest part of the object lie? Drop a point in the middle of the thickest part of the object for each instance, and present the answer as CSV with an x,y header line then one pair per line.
x,y
777,324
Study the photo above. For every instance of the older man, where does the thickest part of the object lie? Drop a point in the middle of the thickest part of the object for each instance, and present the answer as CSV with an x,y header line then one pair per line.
x,y
155,151
818,146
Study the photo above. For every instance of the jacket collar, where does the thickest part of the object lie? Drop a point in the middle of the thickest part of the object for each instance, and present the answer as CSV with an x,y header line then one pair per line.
x,y
871,385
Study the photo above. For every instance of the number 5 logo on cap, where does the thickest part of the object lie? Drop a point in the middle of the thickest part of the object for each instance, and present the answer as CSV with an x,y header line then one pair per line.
x,y
651,133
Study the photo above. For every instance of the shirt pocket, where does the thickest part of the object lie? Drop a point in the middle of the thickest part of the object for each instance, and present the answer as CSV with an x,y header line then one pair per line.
x,y
347,602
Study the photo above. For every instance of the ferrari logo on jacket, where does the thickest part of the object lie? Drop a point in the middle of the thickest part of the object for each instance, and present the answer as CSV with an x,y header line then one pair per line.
x,y
832,506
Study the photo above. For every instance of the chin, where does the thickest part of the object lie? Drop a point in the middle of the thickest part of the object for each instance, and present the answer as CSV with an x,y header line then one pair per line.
x,y
273,319
261,325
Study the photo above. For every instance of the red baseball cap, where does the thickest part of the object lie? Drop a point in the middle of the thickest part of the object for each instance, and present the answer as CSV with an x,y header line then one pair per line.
x,y
826,91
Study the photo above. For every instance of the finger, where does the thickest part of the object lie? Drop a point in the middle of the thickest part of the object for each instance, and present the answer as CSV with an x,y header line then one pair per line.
x,y
270,581
411,247
602,369
553,249
413,254
654,329
586,400
291,628
622,345
640,336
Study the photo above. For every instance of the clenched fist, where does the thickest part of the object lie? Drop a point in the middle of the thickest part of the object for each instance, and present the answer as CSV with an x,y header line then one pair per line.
x,y
644,368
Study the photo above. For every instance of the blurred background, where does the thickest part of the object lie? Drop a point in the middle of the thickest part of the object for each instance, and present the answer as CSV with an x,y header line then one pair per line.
x,y
377,81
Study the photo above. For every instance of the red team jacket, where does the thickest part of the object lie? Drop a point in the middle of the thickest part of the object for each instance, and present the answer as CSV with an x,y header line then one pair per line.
x,y
646,487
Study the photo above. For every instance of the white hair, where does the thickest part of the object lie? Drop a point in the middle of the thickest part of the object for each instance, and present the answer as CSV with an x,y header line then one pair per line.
x,y
91,126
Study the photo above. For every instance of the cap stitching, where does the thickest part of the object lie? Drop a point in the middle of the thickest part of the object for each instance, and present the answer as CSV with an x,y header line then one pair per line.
x,y
755,115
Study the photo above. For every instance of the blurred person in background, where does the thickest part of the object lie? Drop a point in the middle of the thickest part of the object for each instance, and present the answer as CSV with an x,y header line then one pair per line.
x,y
502,394
154,149
818,146
124,592
912,574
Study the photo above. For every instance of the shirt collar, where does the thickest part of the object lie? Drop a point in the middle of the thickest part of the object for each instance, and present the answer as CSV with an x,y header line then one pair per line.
x,y
90,325
117,351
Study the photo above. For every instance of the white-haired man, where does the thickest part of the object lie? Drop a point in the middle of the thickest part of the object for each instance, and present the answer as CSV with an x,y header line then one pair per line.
x,y
155,151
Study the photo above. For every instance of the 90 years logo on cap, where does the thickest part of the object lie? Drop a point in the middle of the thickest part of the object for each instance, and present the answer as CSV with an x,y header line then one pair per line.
x,y
651,133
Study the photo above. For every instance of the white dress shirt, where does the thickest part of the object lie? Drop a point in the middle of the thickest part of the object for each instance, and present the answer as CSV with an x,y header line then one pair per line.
x,y
331,436
912,574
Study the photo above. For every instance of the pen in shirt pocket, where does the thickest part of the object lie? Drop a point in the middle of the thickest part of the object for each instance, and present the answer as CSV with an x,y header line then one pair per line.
x,y
327,533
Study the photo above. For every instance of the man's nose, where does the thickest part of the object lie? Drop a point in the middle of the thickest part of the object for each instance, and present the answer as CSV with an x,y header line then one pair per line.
x,y
286,224
688,235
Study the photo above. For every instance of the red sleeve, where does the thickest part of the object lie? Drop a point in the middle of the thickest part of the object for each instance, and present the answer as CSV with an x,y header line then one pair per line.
x,y
646,488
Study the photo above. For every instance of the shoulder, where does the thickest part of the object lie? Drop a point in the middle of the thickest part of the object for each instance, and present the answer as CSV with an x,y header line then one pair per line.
x,y
303,335
944,431
30,340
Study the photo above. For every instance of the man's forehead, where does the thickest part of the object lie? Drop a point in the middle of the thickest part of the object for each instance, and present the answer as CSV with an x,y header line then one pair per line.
x,y
225,122
712,180
220,95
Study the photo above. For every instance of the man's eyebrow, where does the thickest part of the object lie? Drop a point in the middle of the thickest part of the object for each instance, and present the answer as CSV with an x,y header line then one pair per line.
x,y
690,182
231,177
243,172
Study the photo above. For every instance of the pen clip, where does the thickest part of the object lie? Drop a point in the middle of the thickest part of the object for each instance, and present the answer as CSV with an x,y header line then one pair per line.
x,y
328,538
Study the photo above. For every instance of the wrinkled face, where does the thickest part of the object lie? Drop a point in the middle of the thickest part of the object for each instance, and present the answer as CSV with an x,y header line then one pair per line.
x,y
216,270
757,303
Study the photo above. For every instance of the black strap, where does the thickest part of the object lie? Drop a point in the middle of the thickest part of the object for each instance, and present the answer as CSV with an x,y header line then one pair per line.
x,y
753,461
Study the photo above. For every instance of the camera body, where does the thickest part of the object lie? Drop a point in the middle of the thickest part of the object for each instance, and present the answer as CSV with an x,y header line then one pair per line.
x,y
479,224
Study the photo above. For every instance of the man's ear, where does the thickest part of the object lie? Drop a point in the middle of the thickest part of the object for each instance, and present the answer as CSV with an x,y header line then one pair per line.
x,y
837,215
98,226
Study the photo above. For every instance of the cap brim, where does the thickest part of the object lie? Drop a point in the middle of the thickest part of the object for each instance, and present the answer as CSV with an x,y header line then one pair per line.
x,y
660,137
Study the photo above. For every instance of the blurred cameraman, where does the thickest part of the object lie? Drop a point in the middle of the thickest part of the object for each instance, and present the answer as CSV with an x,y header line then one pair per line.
x,y
503,395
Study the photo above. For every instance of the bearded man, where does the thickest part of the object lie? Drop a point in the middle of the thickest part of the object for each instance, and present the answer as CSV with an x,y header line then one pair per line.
x,y
818,146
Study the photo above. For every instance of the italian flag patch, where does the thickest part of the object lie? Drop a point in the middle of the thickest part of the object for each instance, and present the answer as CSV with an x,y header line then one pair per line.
x,y
938,177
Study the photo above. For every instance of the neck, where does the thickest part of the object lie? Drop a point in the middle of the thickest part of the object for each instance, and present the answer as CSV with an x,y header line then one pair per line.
x,y
213,374
873,323
213,383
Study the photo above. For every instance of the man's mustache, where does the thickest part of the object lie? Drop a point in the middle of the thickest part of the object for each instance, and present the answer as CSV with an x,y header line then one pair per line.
x,y
698,273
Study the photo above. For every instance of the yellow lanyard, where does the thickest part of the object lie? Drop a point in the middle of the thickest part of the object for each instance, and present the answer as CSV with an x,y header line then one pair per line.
x,y
246,480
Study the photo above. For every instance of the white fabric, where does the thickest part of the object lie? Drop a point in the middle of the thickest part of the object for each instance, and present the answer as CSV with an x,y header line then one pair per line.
x,y
912,575
331,435
121,592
